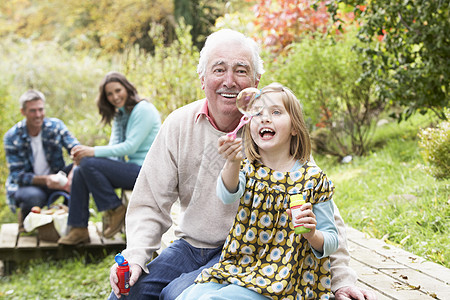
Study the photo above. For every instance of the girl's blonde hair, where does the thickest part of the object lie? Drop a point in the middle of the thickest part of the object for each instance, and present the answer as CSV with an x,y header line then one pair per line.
x,y
300,147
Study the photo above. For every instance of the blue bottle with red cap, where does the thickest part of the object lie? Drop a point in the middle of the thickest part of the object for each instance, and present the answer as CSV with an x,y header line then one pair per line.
x,y
123,272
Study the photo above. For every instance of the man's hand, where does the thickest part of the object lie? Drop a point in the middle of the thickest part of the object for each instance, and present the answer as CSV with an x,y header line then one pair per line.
x,y
354,293
52,182
135,273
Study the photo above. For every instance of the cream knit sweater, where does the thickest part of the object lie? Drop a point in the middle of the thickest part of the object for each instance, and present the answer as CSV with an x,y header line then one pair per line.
x,y
183,163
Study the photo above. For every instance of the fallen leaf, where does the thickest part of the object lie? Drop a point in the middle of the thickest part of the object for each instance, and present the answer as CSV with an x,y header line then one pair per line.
x,y
414,287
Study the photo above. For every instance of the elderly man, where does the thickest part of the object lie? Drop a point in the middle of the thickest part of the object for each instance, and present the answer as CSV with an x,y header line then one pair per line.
x,y
34,155
183,164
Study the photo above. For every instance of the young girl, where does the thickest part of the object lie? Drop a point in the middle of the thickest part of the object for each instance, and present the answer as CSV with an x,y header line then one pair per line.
x,y
263,256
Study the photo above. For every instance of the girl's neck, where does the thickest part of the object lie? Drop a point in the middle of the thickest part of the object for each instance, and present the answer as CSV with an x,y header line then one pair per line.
x,y
278,163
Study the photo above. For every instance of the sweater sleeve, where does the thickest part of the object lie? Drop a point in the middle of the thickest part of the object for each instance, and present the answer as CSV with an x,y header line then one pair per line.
x,y
148,213
142,119
341,273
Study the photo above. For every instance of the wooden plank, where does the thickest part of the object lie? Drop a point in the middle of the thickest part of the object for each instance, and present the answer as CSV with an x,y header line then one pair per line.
x,y
29,241
94,236
8,235
372,258
380,296
386,285
417,280
117,239
401,256
408,276
28,248
46,244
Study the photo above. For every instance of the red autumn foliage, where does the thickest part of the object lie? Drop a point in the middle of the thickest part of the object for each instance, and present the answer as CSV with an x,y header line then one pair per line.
x,y
283,22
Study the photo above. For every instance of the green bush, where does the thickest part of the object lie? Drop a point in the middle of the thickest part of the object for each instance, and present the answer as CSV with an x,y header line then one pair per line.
x,y
68,80
435,145
324,73
168,77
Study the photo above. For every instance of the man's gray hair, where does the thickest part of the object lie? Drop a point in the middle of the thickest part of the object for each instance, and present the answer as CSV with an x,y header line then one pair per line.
x,y
30,95
226,36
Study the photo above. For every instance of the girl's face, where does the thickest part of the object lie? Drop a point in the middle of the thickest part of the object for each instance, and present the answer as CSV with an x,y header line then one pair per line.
x,y
116,94
271,129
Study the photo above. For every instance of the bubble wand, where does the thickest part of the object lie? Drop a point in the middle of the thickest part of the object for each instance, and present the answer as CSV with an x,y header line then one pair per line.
x,y
245,102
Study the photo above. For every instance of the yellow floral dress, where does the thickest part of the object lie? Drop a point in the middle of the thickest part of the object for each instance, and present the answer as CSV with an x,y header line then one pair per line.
x,y
262,252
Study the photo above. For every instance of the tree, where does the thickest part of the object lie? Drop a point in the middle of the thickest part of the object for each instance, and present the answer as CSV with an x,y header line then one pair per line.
x,y
410,59
111,25
201,15
284,22
341,110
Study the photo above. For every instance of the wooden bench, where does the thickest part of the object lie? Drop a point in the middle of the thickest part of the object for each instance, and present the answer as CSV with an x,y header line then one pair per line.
x,y
15,247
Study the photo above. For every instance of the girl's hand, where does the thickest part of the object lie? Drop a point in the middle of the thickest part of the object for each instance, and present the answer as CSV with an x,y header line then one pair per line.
x,y
80,151
307,218
230,148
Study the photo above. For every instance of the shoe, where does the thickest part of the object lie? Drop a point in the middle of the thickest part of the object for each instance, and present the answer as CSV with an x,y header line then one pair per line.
x,y
116,220
106,216
76,236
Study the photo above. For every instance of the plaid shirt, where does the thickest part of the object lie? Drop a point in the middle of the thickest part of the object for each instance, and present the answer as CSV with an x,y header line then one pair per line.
x,y
19,155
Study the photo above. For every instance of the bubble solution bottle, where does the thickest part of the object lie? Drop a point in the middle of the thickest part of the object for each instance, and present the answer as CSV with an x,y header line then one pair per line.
x,y
123,272
296,201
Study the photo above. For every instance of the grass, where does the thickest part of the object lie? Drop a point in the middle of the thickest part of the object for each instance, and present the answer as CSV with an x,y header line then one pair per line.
x,y
69,279
387,194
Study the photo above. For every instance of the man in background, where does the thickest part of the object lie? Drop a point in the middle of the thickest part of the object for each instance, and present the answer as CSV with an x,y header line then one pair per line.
x,y
34,155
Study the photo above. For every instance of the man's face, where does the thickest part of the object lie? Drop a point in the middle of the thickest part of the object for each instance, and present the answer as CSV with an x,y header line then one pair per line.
x,y
34,112
229,70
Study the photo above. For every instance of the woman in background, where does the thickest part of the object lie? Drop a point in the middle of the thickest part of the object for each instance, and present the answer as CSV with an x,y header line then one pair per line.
x,y
102,169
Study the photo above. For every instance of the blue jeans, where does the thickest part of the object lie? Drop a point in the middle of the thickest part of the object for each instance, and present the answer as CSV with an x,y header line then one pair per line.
x,y
28,196
174,270
99,177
